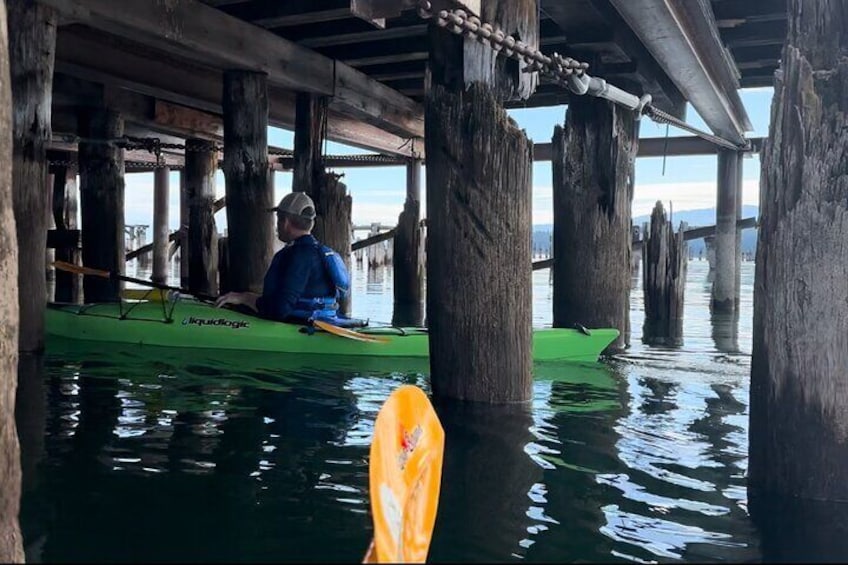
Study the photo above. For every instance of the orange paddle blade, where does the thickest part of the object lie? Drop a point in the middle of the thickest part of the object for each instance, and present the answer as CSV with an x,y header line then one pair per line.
x,y
405,473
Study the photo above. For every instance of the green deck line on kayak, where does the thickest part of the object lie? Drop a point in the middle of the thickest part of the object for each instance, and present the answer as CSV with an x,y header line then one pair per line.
x,y
190,324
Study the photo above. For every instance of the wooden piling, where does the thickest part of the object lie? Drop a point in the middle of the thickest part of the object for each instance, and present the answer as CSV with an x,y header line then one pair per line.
x,y
32,46
408,256
249,224
161,181
65,205
723,292
593,194
478,253
333,205
333,223
101,172
201,162
799,397
11,541
665,256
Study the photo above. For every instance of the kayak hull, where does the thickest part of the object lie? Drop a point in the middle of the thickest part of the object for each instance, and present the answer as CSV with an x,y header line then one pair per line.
x,y
190,324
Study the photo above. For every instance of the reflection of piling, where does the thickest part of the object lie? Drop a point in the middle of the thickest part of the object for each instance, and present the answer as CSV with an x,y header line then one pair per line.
x,y
664,279
487,455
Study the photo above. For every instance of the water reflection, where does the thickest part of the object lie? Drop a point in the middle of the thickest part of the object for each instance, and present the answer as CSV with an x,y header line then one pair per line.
x,y
796,531
725,330
492,498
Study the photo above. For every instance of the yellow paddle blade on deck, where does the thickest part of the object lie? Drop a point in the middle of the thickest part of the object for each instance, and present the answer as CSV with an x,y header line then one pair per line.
x,y
149,294
344,332
405,473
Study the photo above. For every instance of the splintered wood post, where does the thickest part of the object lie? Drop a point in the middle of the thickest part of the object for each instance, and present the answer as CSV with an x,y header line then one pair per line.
x,y
333,224
799,398
11,541
665,257
249,224
201,162
408,256
65,205
593,156
32,45
332,203
725,236
478,197
161,178
479,179
101,171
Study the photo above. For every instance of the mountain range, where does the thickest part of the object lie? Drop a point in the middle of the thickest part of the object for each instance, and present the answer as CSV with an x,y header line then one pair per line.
x,y
693,218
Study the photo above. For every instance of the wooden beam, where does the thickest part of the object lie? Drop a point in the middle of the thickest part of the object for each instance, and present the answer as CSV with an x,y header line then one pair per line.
x,y
373,240
292,13
401,32
113,61
207,36
652,77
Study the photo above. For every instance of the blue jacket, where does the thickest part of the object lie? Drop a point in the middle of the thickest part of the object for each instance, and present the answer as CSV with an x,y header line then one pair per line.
x,y
297,271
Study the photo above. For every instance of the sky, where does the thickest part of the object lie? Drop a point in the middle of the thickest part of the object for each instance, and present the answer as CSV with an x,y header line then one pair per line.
x,y
687,183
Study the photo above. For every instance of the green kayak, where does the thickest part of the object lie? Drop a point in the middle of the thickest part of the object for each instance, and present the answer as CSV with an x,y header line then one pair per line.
x,y
192,324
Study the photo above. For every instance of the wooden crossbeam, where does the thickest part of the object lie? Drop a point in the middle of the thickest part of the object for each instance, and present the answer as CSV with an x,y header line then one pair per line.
x,y
112,61
208,36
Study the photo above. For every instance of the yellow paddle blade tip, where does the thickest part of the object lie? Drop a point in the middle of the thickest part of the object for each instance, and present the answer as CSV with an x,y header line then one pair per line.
x,y
405,472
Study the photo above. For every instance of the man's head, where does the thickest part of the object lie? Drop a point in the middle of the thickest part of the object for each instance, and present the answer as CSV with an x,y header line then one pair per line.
x,y
295,216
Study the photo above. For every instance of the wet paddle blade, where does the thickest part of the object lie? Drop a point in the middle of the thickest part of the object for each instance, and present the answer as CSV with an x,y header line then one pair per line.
x,y
343,332
405,472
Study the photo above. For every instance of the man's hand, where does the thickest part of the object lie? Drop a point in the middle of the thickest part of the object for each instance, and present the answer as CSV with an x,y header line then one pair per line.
x,y
235,298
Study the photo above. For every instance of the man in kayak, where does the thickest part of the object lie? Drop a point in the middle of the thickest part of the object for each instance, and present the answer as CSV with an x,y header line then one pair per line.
x,y
304,278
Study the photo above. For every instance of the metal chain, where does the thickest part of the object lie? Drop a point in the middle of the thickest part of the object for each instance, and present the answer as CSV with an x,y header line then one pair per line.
x,y
561,70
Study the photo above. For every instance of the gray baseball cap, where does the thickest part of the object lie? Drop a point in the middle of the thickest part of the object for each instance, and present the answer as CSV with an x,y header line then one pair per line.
x,y
296,204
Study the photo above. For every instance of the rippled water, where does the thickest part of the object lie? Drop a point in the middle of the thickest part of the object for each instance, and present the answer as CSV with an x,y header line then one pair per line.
x,y
216,457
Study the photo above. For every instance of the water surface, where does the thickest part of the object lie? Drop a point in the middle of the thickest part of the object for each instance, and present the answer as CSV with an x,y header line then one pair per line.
x,y
156,455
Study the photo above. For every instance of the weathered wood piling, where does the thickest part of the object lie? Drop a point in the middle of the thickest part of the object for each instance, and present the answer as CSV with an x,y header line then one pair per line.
x,y
11,542
478,292
101,172
32,47
250,233
593,156
799,397
408,256
333,205
665,255
479,179
201,163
